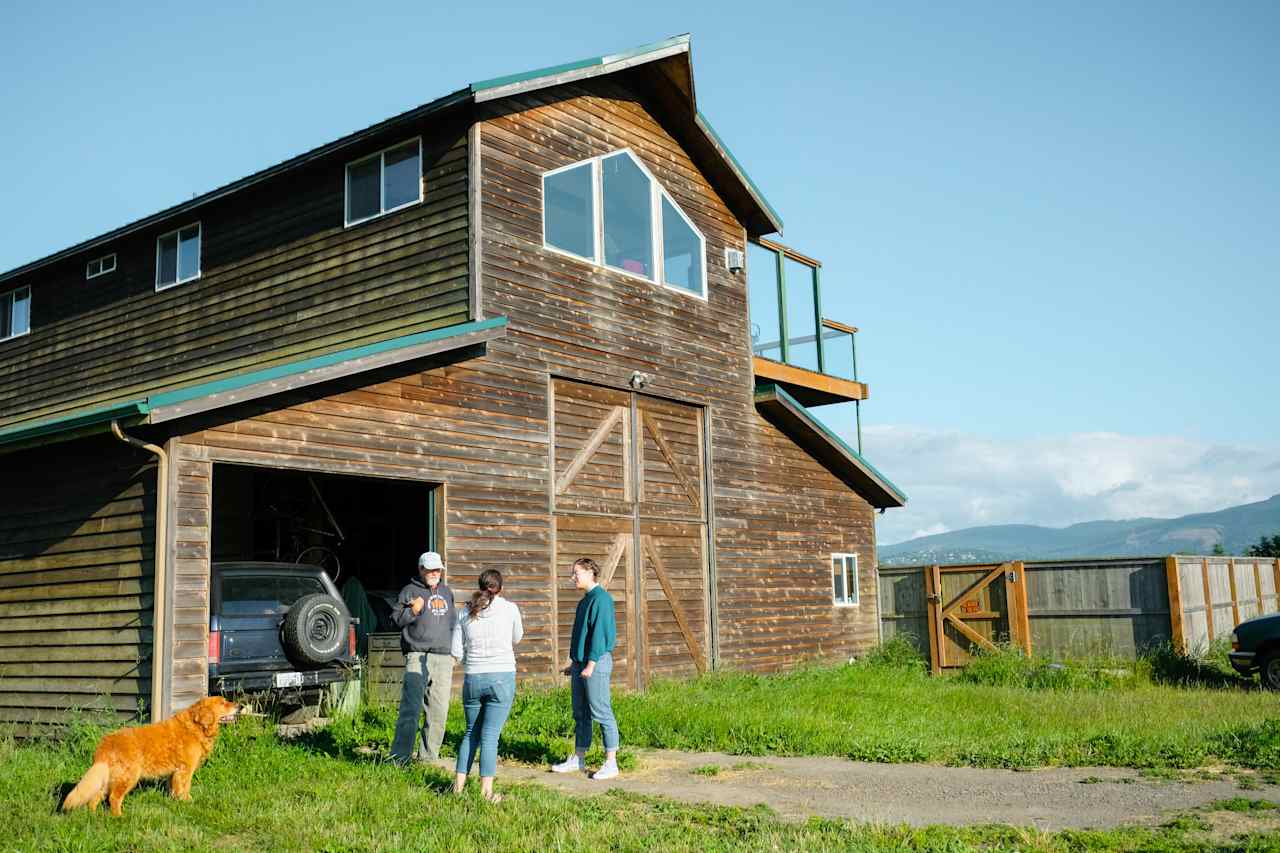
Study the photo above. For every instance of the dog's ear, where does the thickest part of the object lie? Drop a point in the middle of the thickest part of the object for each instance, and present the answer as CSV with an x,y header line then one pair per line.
x,y
205,715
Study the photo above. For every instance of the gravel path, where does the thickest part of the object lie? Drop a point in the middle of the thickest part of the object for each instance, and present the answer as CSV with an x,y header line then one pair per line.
x,y
917,794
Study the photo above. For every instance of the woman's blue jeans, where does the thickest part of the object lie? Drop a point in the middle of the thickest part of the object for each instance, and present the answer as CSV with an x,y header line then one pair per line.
x,y
592,702
486,702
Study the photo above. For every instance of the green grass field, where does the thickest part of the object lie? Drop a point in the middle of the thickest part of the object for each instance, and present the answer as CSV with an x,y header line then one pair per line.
x,y
332,790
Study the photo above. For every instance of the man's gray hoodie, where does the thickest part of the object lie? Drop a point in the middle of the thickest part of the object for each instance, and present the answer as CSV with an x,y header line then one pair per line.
x,y
432,629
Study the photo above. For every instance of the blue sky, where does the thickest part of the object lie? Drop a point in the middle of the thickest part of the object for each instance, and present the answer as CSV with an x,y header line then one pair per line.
x,y
1055,224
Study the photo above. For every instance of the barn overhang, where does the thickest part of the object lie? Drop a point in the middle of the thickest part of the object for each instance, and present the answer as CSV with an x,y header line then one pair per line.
x,y
171,404
805,429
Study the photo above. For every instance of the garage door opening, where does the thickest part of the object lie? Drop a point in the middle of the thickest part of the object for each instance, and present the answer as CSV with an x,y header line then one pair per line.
x,y
365,532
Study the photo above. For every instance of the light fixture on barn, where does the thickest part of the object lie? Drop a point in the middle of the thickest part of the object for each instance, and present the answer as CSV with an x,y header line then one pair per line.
x,y
639,380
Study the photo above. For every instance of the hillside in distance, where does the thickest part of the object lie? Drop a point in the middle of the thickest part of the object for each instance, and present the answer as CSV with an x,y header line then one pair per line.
x,y
1235,528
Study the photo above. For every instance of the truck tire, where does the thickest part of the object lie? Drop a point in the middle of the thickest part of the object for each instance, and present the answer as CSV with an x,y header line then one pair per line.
x,y
1269,670
315,629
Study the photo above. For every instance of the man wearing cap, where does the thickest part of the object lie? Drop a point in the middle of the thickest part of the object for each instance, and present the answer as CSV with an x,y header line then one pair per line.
x,y
426,615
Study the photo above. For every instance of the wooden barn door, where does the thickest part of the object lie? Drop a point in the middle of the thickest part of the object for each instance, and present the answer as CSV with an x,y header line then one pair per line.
x,y
627,491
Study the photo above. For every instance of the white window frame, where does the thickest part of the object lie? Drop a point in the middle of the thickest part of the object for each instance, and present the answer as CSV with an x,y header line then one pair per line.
x,y
199,226
11,295
656,194
850,579
383,210
102,266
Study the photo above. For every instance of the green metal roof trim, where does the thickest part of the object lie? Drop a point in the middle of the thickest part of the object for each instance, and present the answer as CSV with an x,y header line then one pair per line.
x,y
132,410
182,395
552,70
138,410
737,167
460,96
767,391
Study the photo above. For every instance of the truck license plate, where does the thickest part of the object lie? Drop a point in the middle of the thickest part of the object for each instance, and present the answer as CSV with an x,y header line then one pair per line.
x,y
288,679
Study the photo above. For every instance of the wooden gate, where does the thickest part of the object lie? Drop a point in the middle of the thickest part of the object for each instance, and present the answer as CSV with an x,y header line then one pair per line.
x,y
975,606
628,491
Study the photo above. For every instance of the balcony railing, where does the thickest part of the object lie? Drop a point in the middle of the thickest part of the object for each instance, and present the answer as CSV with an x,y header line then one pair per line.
x,y
784,292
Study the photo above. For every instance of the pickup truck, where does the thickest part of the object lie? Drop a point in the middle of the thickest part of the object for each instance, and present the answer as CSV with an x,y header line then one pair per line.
x,y
277,628
1255,647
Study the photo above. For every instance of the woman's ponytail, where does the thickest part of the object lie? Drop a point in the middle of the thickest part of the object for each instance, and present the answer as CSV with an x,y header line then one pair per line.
x,y
490,585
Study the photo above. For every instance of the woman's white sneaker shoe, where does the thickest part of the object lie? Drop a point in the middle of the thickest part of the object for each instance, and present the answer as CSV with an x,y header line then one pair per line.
x,y
608,770
569,765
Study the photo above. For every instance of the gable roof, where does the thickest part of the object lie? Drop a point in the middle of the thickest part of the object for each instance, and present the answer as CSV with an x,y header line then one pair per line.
x,y
804,428
670,62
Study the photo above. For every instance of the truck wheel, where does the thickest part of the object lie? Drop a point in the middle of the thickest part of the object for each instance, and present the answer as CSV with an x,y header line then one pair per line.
x,y
315,629
1269,670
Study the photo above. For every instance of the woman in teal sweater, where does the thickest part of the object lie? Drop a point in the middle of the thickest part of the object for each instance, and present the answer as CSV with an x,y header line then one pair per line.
x,y
595,631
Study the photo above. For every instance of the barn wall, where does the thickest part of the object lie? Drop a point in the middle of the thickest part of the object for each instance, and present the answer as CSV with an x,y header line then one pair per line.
x,y
77,534
281,279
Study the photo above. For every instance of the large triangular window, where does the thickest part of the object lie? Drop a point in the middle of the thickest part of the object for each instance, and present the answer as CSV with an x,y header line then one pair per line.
x,y
610,211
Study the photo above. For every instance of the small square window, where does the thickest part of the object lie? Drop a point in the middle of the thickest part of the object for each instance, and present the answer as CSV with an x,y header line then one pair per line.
x,y
100,266
178,256
15,313
844,579
383,182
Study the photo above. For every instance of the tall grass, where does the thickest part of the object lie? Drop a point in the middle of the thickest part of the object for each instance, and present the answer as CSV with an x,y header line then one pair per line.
x,y
1004,711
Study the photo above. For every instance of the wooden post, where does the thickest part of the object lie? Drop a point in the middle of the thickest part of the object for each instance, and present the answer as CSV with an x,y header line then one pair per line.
x,y
933,600
1174,582
1235,598
1208,597
1015,596
1257,586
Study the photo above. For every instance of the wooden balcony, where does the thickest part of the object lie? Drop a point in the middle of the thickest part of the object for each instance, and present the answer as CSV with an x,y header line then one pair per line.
x,y
808,387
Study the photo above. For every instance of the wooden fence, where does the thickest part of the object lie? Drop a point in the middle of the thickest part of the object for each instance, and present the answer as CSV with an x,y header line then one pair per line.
x,y
1076,608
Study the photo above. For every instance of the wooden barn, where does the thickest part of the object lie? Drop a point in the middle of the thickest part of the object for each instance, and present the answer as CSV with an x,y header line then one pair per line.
x,y
513,324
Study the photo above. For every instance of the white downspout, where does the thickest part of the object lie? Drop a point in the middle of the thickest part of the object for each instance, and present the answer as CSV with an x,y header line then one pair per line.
x,y
161,578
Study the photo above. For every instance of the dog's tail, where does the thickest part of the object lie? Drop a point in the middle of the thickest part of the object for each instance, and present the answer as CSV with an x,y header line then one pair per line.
x,y
90,788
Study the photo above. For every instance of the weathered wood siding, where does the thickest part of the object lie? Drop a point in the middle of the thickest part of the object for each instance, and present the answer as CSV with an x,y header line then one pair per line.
x,y
77,533
1214,594
282,279
778,515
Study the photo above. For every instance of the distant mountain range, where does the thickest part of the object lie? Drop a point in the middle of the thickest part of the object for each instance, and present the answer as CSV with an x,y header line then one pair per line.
x,y
1235,528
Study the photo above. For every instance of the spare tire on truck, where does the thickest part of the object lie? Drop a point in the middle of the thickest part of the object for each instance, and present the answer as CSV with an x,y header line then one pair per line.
x,y
315,629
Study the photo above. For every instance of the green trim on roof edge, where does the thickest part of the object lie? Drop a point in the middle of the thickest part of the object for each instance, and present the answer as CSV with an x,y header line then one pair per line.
x,y
67,423
521,77
768,389
182,395
711,131
139,409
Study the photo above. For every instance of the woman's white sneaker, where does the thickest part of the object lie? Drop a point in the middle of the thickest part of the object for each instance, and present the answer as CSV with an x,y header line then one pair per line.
x,y
569,765
608,770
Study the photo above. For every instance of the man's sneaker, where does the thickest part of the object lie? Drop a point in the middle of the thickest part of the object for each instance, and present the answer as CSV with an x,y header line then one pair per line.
x,y
569,765
608,770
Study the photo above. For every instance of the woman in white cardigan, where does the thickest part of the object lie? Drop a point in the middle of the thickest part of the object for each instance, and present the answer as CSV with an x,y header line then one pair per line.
x,y
484,638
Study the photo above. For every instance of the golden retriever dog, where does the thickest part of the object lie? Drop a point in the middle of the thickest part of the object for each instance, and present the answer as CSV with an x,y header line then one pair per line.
x,y
174,747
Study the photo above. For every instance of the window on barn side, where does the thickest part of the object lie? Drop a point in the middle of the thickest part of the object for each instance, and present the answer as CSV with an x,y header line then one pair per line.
x,y
383,182
100,266
610,211
15,313
844,579
178,256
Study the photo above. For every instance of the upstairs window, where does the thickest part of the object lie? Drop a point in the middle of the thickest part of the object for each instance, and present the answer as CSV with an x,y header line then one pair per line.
x,y
15,313
100,266
385,181
610,211
178,256
844,579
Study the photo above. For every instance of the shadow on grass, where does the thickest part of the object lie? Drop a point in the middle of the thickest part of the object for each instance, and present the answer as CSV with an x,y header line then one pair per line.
x,y
1166,665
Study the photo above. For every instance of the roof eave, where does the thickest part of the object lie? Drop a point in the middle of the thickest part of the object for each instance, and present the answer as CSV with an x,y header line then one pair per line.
x,y
803,427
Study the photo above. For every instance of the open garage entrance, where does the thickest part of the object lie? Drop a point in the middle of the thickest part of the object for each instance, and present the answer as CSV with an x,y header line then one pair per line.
x,y
366,532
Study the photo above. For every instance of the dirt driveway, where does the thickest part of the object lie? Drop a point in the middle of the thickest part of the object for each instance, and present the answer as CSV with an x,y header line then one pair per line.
x,y
917,794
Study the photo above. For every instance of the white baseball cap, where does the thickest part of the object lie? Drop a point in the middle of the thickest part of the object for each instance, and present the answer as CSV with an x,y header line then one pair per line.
x,y
430,562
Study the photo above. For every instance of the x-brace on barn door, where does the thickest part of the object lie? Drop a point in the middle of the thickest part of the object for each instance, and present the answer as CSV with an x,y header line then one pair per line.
x,y
628,491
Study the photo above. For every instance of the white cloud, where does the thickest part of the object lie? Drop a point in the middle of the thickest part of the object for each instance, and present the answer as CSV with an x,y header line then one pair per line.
x,y
956,480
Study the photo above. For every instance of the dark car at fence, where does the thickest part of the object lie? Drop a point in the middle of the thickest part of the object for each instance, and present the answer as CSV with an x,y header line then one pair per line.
x,y
1255,647
277,628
